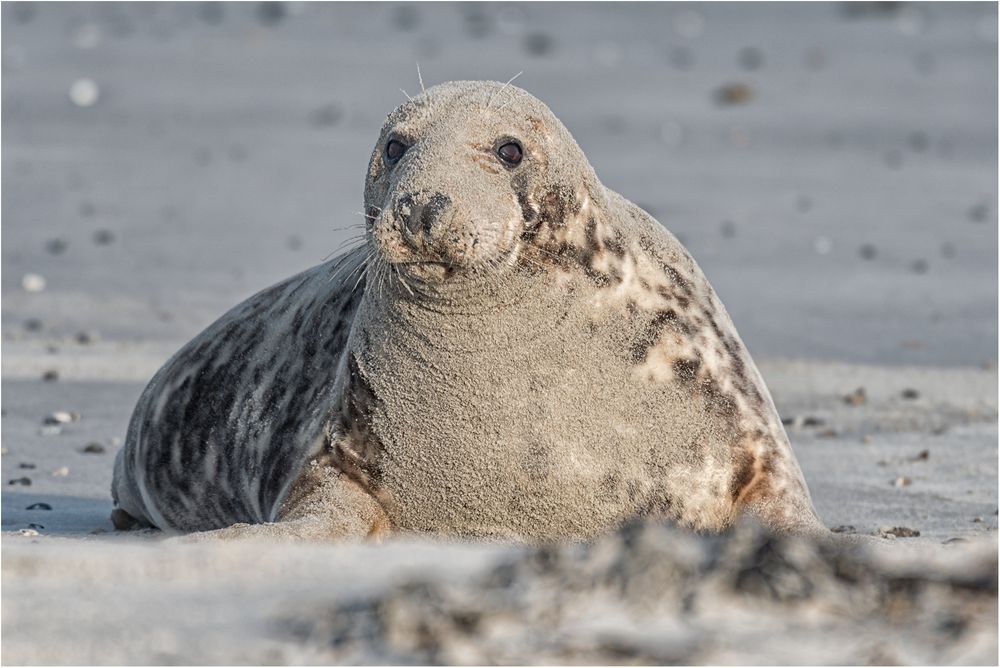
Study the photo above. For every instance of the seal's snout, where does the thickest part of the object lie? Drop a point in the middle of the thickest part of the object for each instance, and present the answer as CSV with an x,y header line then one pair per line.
x,y
422,213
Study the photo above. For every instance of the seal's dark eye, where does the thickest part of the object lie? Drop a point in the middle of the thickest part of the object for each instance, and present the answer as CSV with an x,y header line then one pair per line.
x,y
394,150
510,153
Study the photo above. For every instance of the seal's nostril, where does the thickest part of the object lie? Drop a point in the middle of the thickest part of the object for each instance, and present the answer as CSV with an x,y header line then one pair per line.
x,y
421,212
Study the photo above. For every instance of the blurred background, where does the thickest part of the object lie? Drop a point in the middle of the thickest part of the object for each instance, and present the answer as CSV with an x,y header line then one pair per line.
x,y
832,167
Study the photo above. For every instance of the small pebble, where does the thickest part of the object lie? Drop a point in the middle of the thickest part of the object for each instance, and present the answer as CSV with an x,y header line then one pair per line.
x,y
60,417
84,93
271,13
33,283
326,116
902,481
868,252
812,422
33,325
49,430
844,528
24,480
85,338
856,398
898,532
979,212
93,448
104,237
50,376
977,519
405,17
921,456
910,393
39,506
61,472
733,94
27,465
35,526
56,246
538,44
28,532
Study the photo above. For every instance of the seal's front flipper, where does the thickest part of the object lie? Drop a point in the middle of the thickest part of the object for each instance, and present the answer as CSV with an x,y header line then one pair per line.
x,y
323,505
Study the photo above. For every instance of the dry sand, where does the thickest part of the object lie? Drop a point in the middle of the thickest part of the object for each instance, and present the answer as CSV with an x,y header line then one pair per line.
x,y
845,211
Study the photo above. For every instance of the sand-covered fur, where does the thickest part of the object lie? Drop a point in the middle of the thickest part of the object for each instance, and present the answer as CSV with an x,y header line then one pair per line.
x,y
515,351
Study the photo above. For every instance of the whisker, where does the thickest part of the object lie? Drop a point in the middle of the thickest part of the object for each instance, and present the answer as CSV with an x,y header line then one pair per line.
x,y
406,94
421,78
502,89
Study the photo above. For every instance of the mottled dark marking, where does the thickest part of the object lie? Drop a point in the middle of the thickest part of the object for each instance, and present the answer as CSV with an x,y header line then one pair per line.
x,y
686,370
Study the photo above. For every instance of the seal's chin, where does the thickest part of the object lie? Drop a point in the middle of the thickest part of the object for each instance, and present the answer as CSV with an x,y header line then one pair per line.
x,y
425,271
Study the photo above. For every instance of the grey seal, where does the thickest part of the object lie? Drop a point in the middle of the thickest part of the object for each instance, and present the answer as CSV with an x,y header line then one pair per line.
x,y
514,351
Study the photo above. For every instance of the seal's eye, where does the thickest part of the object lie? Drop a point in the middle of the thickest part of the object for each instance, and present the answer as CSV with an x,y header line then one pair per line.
x,y
510,153
394,150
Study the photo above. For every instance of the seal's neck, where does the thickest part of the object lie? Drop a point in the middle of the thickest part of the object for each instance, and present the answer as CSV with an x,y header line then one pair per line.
x,y
464,313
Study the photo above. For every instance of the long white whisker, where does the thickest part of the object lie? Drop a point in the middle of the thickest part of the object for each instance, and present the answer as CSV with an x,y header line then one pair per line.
x,y
406,94
502,89
421,78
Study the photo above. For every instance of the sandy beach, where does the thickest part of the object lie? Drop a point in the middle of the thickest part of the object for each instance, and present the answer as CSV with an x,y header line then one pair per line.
x,y
831,167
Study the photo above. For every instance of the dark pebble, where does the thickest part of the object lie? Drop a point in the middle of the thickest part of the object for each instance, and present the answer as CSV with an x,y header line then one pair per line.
x,y
85,338
24,12
728,229
94,449
751,58
326,116
956,539
844,528
271,13
56,246
20,481
27,465
733,94
910,393
921,456
104,237
405,17
868,252
39,506
979,213
50,376
35,526
812,422
538,44
33,325
899,532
